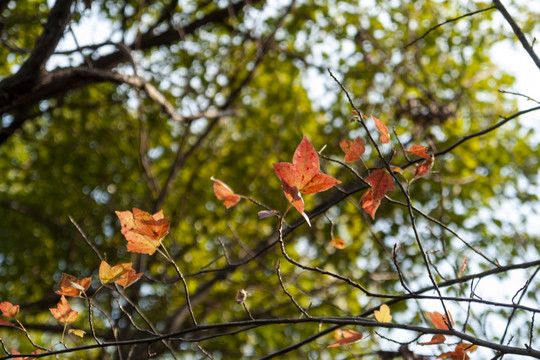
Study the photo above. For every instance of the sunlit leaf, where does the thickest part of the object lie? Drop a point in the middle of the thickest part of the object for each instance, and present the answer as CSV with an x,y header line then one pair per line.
x,y
346,337
8,309
436,339
383,314
460,352
63,312
71,286
338,243
108,274
303,176
383,130
144,232
223,192
353,149
381,182
77,332
423,168
440,321
418,150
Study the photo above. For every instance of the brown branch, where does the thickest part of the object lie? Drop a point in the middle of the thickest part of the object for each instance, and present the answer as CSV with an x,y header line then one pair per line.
x,y
518,32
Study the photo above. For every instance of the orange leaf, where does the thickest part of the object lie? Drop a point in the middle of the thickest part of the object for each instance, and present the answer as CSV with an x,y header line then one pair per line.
x,y
8,309
419,150
436,339
385,137
63,312
353,149
346,336
15,352
423,168
396,169
223,192
460,352
303,176
144,232
71,286
463,267
129,278
108,274
338,243
439,320
381,182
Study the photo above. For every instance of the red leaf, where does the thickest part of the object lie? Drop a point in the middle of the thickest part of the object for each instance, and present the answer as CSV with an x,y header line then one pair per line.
x,y
385,137
8,309
338,243
353,149
439,320
303,176
15,352
419,150
347,337
423,168
71,286
460,352
436,339
63,312
223,192
381,182
144,232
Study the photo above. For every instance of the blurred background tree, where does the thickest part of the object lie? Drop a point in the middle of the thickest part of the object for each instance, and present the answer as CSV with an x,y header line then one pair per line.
x,y
143,101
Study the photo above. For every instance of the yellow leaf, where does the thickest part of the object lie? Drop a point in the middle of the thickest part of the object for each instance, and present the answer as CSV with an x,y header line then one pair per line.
x,y
383,314
77,332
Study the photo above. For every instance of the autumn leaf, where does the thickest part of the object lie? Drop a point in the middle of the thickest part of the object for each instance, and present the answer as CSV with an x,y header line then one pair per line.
x,y
223,192
144,232
463,267
381,182
109,274
77,332
338,243
63,312
345,337
423,168
383,130
460,352
15,352
303,176
436,339
383,314
71,286
353,149
8,309
129,278
419,150
439,320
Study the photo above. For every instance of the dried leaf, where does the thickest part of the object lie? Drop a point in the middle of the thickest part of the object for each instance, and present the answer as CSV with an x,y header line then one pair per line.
x,y
225,193
383,314
144,232
71,286
338,243
423,168
419,150
267,213
77,332
439,320
383,130
346,337
108,274
8,309
381,182
129,278
353,149
463,267
63,312
460,352
436,339
303,176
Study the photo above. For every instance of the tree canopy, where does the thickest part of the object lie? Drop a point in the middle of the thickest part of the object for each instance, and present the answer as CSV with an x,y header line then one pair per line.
x,y
178,97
